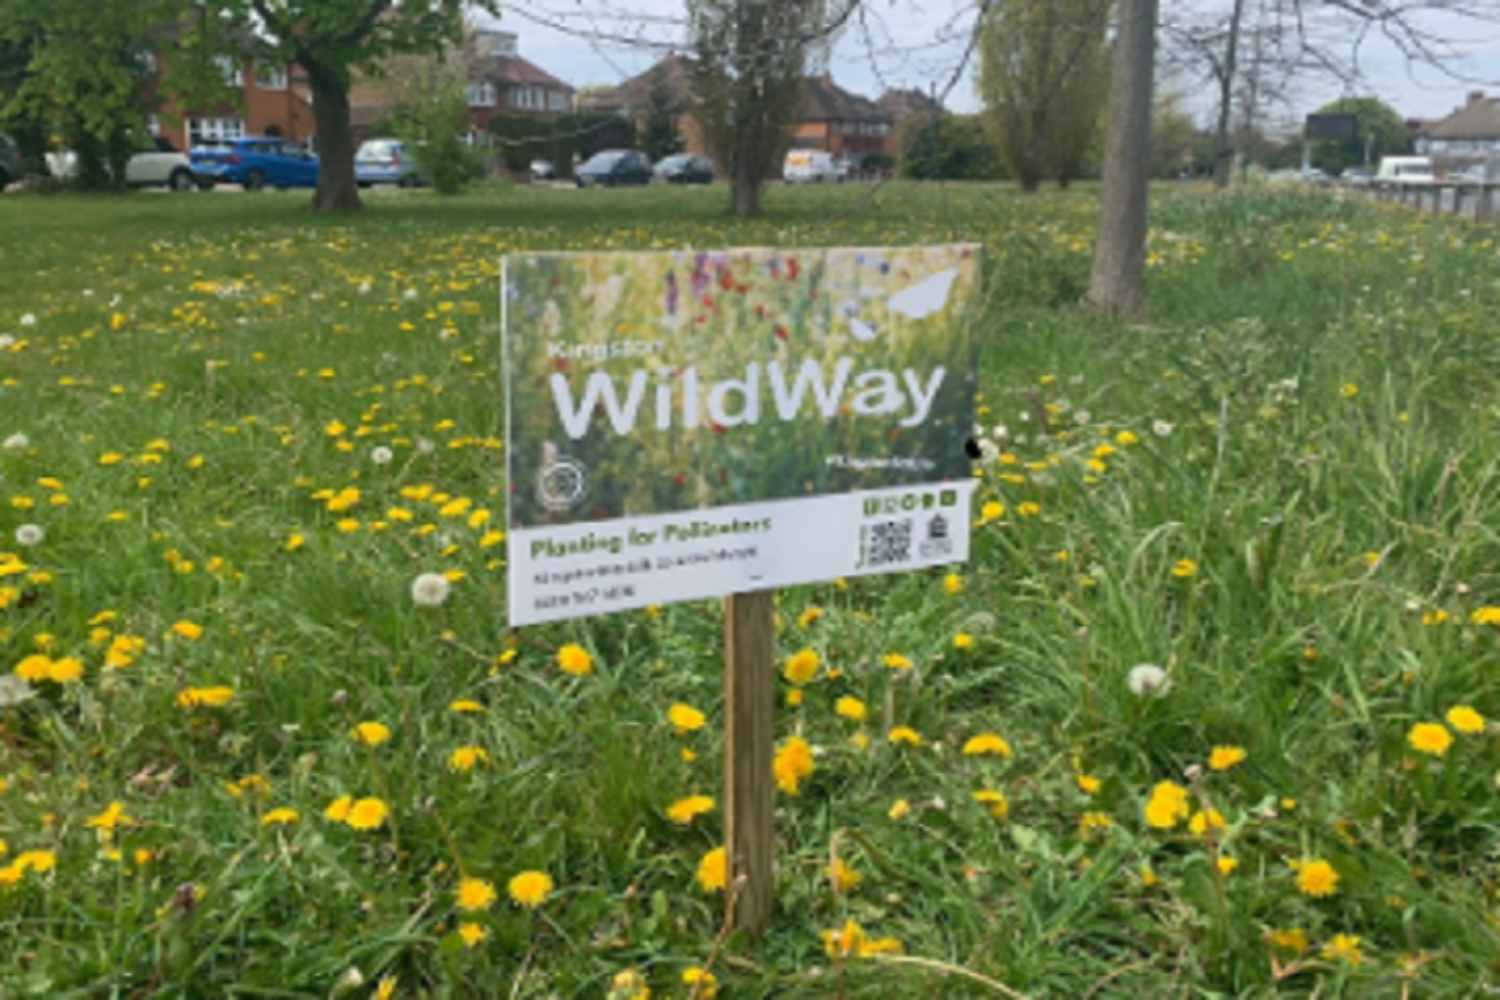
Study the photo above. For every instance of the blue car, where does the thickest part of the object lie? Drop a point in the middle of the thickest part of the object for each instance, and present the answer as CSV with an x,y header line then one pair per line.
x,y
256,163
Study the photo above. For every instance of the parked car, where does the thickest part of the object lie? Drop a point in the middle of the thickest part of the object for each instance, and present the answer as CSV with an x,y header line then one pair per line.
x,y
386,161
157,165
1405,170
10,163
256,163
614,167
543,170
813,166
685,168
1357,176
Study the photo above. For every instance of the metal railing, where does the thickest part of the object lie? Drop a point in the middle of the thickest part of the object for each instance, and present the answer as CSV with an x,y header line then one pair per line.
x,y
1479,200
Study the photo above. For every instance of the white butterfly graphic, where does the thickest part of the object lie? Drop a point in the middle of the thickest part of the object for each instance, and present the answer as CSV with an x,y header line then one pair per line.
x,y
925,297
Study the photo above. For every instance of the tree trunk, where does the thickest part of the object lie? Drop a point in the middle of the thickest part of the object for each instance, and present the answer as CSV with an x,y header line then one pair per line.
x,y
337,188
1223,150
1117,282
745,179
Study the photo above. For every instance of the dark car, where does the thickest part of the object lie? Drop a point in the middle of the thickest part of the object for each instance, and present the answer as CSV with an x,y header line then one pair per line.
x,y
685,168
256,163
614,167
10,163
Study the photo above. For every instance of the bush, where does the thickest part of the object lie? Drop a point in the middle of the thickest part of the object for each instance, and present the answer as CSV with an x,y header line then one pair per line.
x,y
433,129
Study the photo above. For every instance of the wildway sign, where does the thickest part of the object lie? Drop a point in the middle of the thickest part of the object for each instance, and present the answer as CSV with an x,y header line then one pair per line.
x,y
692,424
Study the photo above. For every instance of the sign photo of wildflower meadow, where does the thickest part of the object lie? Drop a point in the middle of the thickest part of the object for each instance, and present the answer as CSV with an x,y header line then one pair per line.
x,y
1207,712
690,424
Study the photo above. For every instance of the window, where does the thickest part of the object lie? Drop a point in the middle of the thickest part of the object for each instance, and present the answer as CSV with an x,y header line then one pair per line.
x,y
204,130
270,76
481,94
557,100
527,98
233,73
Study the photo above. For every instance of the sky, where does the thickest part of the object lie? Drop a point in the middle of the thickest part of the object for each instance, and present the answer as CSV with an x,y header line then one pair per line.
x,y
922,44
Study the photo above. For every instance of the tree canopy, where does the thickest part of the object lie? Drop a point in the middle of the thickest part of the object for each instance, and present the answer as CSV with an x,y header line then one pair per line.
x,y
1381,132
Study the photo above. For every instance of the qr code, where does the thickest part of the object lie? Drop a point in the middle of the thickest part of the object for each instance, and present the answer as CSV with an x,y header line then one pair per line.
x,y
887,542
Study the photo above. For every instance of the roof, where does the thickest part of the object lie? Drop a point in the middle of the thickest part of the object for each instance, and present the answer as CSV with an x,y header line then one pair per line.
x,y
1478,119
517,71
635,93
825,101
902,103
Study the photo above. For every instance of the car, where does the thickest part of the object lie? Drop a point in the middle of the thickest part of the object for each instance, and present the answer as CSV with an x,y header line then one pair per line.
x,y
813,166
543,170
386,161
10,163
159,164
614,167
1404,170
685,168
1358,176
256,163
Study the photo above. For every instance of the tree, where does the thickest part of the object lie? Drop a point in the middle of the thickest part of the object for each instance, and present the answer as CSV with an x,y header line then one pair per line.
x,y
751,57
1176,143
658,129
1381,133
947,147
331,40
1117,282
1042,77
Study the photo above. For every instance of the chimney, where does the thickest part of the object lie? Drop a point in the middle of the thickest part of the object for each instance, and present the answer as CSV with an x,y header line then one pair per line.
x,y
1475,96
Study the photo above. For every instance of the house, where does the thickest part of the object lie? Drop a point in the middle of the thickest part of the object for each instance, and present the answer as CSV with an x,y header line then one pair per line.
x,y
1470,135
832,119
273,99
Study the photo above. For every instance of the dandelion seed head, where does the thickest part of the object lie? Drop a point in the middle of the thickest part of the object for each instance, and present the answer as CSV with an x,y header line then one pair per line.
x,y
381,455
430,590
1147,680
30,534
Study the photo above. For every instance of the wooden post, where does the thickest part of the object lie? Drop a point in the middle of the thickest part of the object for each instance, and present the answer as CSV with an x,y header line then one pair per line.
x,y
749,746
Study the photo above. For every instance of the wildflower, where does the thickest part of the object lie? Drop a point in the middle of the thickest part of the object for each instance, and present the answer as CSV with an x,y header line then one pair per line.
x,y
896,661
1224,758
1465,720
963,640
1088,784
1293,939
684,811
1316,878
465,705
191,631
280,817
628,984
429,590
1437,617
953,583
986,743
850,708
40,862
704,985
464,758
712,874
65,671
475,894
997,804
381,455
905,734
792,763
1092,821
113,816
1167,806
371,734
992,510
35,667
338,809
843,877
1147,680
1349,390
209,697
1431,738
1206,820
1185,569
808,616
471,933
1126,438
17,442
386,988
30,534
801,667
530,889
1344,948
574,659
685,718
900,809
368,814
1487,615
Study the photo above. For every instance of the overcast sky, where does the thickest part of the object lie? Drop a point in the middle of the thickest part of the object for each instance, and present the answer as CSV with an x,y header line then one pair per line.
x,y
897,43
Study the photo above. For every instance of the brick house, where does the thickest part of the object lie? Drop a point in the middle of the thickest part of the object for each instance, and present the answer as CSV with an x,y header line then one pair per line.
x,y
273,100
1470,135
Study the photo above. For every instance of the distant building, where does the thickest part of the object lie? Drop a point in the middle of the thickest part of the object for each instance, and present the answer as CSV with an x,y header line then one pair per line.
x,y
1470,135
273,99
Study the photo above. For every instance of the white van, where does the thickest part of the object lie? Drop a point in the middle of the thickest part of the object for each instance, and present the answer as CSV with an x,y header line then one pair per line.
x,y
813,165
1404,170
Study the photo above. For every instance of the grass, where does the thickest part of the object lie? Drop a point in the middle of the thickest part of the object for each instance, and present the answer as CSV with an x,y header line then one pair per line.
x,y
1282,490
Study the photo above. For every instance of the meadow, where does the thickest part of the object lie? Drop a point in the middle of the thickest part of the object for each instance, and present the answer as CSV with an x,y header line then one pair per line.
x,y
1206,714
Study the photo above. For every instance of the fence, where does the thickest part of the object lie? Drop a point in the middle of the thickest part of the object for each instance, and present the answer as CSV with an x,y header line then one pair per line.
x,y
1478,200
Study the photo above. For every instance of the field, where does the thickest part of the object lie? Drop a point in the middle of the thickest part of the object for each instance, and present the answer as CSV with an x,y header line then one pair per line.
x,y
1206,714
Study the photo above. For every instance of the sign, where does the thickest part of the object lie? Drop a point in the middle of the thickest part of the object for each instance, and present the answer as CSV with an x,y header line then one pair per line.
x,y
1340,127
686,425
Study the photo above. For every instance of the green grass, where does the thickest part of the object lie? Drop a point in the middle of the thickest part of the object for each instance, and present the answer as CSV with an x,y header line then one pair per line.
x,y
1282,488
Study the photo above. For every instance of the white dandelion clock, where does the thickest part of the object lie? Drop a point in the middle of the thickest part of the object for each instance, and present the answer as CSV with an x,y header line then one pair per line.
x,y
430,590
381,455
1147,680
14,691
30,534
7,341
29,319
925,297
17,442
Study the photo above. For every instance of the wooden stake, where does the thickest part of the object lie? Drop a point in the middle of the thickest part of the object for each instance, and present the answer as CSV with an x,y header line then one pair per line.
x,y
749,745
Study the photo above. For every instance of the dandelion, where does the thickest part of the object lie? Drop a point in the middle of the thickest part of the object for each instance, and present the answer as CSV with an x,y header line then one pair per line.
x,y
1224,758
471,934
896,661
1316,878
465,706
1344,948
900,809
338,809
111,818
429,590
35,667
17,442
963,641
850,708
1465,720
792,763
30,534
574,659
530,889
1293,939
381,455
1185,569
1088,784
280,817
712,871
808,616
368,814
953,583
685,718
474,894
628,984
184,629
1205,820
1348,390
801,667
1430,738
1167,806
209,697
843,877
1487,615
465,758
67,670
995,802
906,735
1147,680
371,734
684,811
987,743
704,985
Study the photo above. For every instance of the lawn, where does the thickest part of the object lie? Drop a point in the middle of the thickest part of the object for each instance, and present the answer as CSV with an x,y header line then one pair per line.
x,y
1205,714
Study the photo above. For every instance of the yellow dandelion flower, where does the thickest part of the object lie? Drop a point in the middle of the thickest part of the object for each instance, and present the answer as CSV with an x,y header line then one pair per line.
x,y
338,809
994,801
1293,939
471,934
1227,865
810,615
1202,822
850,708
704,985
474,894
1465,720
900,809
685,718
801,667
1317,878
842,876
1344,948
713,871
1167,806
987,744
185,629
1224,758
280,817
209,697
371,734
574,659
896,661
684,811
368,814
792,763
36,667
963,640
530,889
1430,738
465,705
904,735
1088,784
953,583
466,757
1185,569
